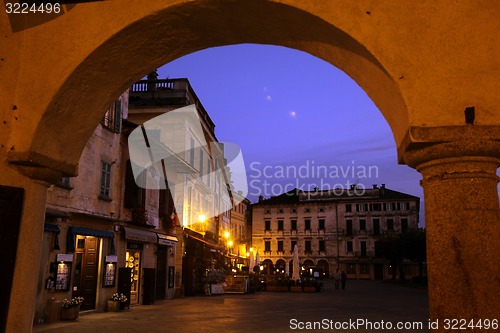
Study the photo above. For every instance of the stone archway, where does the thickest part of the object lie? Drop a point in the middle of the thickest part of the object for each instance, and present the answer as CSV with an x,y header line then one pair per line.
x,y
323,264
404,65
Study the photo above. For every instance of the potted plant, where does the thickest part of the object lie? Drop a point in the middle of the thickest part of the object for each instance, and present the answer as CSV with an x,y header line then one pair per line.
x,y
71,308
115,301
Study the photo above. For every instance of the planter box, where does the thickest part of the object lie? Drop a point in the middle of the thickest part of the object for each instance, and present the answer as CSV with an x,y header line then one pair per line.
x,y
309,289
271,288
296,289
282,288
70,313
113,306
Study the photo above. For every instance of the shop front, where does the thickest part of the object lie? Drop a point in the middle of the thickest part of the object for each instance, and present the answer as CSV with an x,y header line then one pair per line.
x,y
165,267
138,254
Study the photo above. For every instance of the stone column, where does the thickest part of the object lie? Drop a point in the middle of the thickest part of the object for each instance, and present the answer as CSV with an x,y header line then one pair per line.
x,y
24,286
463,226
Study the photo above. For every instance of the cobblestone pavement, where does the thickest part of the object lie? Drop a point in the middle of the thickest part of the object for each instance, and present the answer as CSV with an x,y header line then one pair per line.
x,y
371,301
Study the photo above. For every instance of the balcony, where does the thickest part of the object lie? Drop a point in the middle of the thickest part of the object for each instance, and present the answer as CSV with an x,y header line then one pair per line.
x,y
160,93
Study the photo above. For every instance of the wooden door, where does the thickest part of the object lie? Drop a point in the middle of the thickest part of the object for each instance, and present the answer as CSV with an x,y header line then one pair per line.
x,y
161,272
87,265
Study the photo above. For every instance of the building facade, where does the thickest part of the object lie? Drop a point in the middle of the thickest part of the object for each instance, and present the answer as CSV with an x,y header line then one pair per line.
x,y
335,229
102,233
198,184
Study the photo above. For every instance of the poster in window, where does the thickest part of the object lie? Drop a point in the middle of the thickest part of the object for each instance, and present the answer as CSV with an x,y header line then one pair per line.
x,y
63,276
110,274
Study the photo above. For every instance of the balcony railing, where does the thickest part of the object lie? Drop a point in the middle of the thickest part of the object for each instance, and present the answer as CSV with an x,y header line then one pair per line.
x,y
153,85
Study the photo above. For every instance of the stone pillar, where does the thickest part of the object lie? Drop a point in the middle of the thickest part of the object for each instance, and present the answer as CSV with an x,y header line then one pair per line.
x,y
463,226
24,286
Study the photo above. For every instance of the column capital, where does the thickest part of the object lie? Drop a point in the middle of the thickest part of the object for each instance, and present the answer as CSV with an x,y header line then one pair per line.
x,y
423,145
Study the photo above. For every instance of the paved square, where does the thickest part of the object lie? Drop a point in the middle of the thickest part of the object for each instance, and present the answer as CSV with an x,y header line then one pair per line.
x,y
372,301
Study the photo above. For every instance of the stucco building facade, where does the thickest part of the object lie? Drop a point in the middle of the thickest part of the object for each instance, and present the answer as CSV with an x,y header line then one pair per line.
x,y
334,229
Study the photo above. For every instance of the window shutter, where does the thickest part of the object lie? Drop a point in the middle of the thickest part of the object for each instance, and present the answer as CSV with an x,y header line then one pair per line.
x,y
118,116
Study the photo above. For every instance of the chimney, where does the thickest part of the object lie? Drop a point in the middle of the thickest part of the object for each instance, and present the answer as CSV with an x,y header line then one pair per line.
x,y
381,191
261,198
375,186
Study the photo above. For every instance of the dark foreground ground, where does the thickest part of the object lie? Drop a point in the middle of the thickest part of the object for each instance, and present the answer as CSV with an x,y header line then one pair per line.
x,y
378,304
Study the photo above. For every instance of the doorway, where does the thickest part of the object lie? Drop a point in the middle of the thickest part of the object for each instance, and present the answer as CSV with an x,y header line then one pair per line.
x,y
86,268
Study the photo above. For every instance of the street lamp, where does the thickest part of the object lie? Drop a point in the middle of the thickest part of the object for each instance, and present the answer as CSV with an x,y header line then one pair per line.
x,y
201,219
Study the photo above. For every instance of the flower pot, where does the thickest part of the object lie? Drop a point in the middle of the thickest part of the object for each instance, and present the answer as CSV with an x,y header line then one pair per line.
x,y
70,313
113,306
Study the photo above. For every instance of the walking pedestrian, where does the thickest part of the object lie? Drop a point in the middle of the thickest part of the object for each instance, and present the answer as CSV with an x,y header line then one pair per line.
x,y
337,279
343,279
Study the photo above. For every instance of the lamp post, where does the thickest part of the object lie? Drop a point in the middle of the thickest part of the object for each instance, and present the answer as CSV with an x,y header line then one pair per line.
x,y
201,220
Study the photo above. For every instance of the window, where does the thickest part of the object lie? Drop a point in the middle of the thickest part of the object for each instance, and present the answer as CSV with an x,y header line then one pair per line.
x,y
191,152
363,249
293,224
308,246
348,224
375,207
388,206
65,183
349,246
267,211
321,210
390,224
267,246
307,224
280,225
293,210
405,206
348,208
105,179
361,207
376,226
322,246
112,118
321,224
201,163
267,225
280,246
362,224
351,269
404,225
293,243
280,211
307,210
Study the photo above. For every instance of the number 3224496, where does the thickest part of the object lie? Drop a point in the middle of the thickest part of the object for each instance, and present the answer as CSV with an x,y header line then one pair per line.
x,y
26,8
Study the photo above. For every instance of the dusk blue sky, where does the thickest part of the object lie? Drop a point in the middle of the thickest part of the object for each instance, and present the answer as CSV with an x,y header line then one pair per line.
x,y
285,108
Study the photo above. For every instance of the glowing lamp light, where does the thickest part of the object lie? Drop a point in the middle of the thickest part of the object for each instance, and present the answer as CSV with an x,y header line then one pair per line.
x,y
202,218
230,243
226,234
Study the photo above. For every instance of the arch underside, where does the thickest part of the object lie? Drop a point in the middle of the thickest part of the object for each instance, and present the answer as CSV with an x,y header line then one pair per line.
x,y
81,99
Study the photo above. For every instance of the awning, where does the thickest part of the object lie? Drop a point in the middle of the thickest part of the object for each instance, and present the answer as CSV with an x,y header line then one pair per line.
x,y
51,228
73,231
167,240
208,244
142,236
55,229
